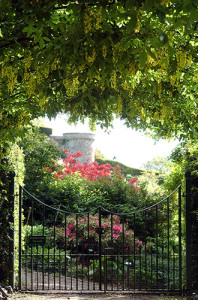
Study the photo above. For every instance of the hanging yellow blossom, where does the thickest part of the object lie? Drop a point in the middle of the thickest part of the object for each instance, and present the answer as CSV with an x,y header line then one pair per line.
x,y
131,70
90,59
159,89
114,80
181,59
98,18
104,51
165,2
87,20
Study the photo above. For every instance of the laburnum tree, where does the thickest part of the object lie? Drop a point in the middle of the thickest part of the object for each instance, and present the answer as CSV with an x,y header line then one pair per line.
x,y
134,59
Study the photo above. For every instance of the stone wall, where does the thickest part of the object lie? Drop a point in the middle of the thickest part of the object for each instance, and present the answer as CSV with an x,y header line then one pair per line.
x,y
77,142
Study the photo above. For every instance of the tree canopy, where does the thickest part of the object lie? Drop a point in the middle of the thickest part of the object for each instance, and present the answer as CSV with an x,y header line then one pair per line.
x,y
98,59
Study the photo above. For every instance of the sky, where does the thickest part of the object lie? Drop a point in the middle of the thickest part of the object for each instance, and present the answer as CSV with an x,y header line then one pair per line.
x,y
126,145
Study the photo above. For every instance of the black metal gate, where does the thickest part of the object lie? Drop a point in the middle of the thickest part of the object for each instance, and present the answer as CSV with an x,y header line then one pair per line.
x,y
101,250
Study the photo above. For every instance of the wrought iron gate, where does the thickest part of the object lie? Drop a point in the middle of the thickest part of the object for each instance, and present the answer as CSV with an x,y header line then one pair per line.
x,y
101,250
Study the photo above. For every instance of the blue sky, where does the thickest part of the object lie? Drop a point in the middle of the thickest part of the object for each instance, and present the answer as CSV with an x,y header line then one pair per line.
x,y
130,147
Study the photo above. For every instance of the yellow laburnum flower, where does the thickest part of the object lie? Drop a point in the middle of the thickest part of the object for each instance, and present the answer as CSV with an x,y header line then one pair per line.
x,y
181,59
104,50
114,80
87,20
98,17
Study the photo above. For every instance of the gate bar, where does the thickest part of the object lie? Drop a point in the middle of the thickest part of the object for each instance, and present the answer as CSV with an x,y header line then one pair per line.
x,y
180,244
188,232
20,234
100,255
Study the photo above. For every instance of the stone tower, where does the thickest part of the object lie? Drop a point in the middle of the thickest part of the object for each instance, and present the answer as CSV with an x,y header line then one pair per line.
x,y
77,142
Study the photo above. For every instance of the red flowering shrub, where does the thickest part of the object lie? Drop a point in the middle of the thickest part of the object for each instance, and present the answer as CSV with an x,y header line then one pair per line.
x,y
85,234
92,171
133,182
82,187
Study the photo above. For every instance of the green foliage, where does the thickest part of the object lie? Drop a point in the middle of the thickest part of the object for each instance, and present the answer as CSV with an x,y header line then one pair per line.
x,y
152,182
133,59
12,164
159,164
39,152
125,170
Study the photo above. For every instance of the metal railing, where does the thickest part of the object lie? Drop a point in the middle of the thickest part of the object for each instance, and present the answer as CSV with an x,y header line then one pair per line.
x,y
102,250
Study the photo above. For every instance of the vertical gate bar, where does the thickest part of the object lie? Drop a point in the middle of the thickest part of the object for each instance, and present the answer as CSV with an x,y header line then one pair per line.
x,y
163,266
117,270
174,268
151,268
88,250
105,271
168,241
123,252
11,233
128,269
26,267
145,259
93,274
111,227
54,250
188,233
140,260
65,252
180,241
71,277
156,247
112,252
100,252
43,268
20,235
83,269
59,270
37,264
48,259
76,252
134,251
32,232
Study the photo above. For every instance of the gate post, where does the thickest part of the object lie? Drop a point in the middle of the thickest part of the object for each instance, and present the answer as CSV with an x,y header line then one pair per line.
x,y
11,229
188,233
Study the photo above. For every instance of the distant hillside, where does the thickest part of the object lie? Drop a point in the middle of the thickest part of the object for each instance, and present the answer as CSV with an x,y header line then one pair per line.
x,y
124,169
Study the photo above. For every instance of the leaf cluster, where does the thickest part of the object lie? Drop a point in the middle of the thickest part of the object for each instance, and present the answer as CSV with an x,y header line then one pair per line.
x,y
97,59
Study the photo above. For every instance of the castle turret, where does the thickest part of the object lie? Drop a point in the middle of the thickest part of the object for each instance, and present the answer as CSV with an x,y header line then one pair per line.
x,y
77,142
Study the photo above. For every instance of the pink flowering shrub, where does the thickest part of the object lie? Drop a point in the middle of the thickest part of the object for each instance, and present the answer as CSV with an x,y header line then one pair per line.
x,y
86,234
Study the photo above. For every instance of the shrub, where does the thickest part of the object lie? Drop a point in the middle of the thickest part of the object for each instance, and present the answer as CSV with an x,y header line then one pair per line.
x,y
83,233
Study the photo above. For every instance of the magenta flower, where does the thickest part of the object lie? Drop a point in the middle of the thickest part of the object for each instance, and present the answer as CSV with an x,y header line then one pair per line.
x,y
71,226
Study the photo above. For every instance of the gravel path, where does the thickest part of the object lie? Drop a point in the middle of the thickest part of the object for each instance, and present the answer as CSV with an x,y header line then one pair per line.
x,y
109,296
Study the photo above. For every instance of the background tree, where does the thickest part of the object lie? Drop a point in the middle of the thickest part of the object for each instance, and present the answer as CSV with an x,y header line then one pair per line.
x,y
159,163
39,153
